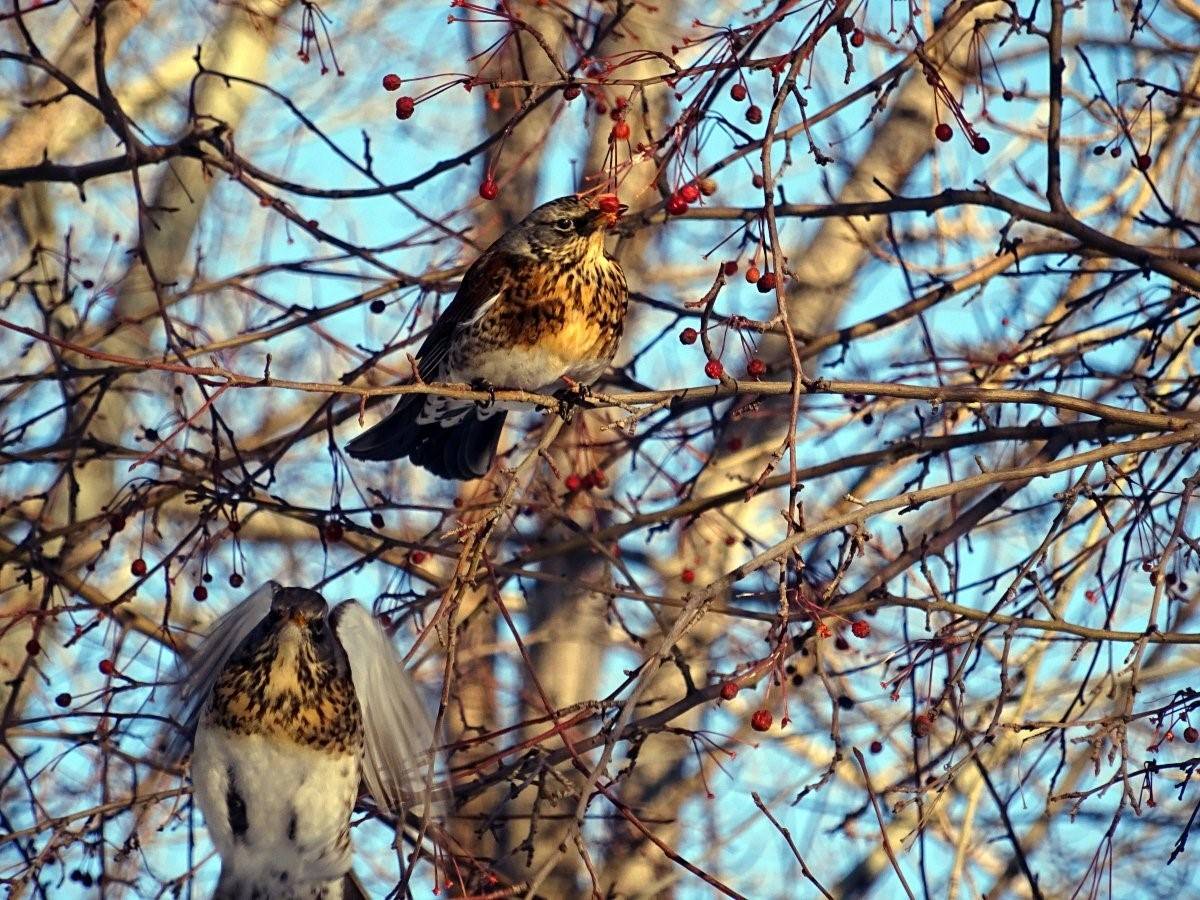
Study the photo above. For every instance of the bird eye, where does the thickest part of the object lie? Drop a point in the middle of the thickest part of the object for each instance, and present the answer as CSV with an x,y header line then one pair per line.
x,y
564,224
317,628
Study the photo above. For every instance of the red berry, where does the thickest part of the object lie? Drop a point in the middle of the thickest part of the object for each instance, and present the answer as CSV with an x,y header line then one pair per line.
x,y
391,82
676,205
761,720
573,482
845,25
690,193
376,520
334,532
766,283
688,336
1008,95
876,746
138,567
729,690
200,593
922,725
757,181
64,699
405,106
857,38
738,92
756,368
753,114
620,131
1090,596
1143,161
378,306
687,576
730,268
570,92
752,274
418,557
714,369
981,144
598,478
1115,151
236,580
608,203
1190,734
861,629
32,647
106,667
489,190
943,132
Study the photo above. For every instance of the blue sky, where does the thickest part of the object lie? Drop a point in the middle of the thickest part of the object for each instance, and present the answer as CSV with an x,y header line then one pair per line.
x,y
236,233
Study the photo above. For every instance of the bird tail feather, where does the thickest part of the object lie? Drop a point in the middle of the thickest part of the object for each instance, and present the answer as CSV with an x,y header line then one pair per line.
x,y
461,451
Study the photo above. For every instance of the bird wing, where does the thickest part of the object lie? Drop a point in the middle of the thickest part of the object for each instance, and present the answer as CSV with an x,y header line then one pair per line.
x,y
399,737
486,279
205,665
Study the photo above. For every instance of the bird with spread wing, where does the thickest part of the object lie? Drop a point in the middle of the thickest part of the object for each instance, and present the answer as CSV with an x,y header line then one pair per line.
x,y
287,705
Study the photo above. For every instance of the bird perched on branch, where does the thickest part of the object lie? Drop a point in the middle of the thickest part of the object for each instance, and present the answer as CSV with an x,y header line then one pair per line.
x,y
290,705
542,307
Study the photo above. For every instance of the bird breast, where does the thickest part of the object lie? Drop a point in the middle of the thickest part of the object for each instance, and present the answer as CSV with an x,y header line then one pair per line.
x,y
285,692
564,318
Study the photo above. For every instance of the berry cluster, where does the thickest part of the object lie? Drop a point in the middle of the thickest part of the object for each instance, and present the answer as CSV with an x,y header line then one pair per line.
x,y
689,193
576,482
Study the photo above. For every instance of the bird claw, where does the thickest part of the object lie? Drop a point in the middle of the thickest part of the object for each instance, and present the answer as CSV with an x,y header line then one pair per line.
x,y
571,398
482,384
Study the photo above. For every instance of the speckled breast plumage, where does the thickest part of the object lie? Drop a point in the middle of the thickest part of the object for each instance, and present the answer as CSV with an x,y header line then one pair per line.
x,y
310,703
569,307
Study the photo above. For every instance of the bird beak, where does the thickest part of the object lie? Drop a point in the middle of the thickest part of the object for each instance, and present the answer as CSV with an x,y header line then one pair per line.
x,y
604,218
297,618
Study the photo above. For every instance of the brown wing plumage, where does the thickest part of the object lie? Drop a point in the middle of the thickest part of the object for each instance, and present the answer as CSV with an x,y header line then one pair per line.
x,y
487,277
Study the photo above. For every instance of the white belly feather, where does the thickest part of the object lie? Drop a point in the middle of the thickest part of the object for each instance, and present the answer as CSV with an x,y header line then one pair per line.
x,y
298,802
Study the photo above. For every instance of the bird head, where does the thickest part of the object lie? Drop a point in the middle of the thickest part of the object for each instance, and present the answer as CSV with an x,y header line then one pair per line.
x,y
568,228
295,634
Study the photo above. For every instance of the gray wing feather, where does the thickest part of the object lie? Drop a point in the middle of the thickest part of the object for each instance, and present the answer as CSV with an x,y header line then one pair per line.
x,y
399,737
205,665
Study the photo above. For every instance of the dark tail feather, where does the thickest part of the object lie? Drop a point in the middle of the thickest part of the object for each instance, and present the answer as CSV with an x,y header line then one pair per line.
x,y
393,436
462,451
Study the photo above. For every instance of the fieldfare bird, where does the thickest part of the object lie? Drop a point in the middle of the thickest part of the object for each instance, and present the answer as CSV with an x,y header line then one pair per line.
x,y
290,704
542,307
